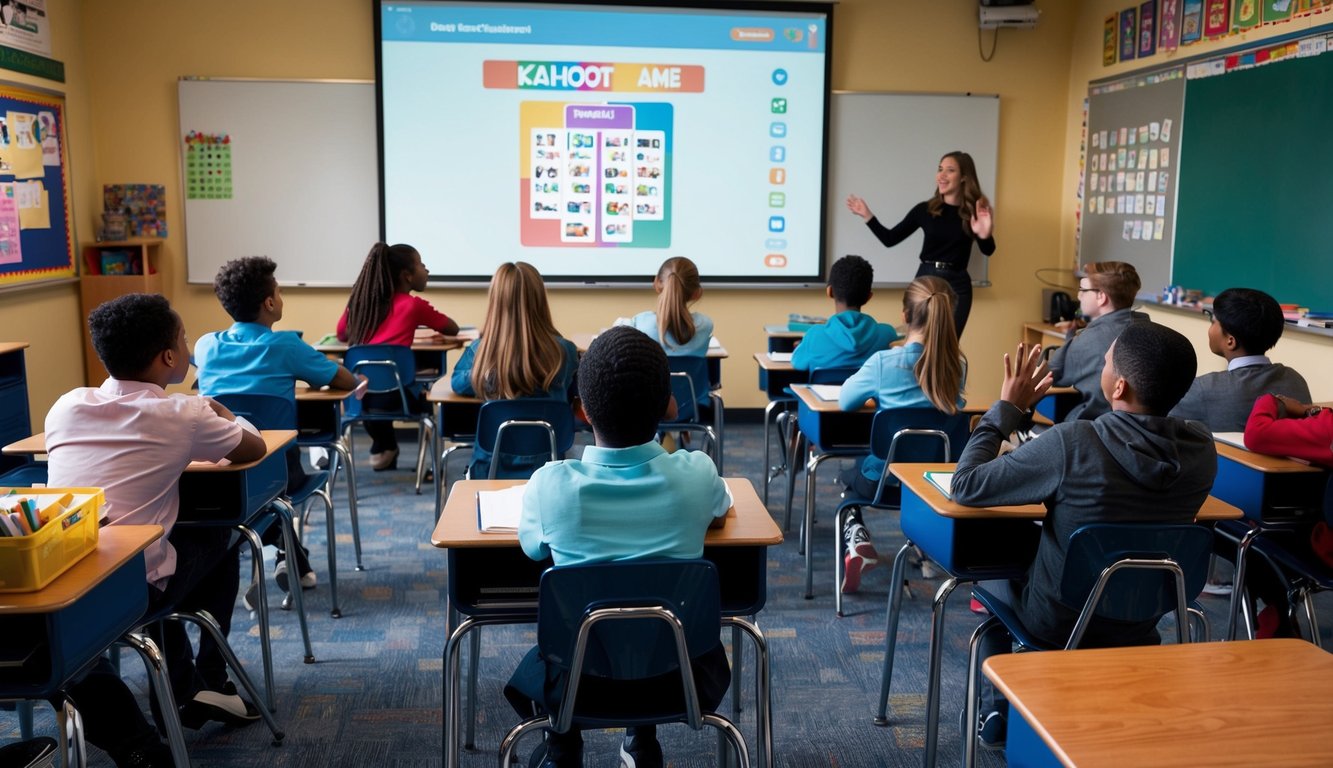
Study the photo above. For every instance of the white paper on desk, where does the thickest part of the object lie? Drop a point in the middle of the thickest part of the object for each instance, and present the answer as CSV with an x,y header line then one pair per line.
x,y
780,357
827,391
499,511
1231,438
943,481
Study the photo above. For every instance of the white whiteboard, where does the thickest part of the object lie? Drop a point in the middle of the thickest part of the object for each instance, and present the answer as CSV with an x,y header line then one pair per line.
x,y
886,147
305,183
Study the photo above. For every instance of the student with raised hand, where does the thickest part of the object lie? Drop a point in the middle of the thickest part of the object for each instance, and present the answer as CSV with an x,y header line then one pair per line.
x,y
1245,324
957,215
382,310
518,354
1106,292
850,335
1133,464
133,440
626,499
250,358
927,370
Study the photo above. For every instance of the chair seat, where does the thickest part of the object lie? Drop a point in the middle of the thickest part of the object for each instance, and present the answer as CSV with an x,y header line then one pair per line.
x,y
1009,617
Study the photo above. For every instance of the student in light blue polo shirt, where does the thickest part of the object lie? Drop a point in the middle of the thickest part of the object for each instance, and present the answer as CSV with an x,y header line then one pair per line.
x,y
626,499
250,358
850,335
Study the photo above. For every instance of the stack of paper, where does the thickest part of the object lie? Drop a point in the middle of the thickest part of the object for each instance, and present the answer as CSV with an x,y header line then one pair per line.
x,y
827,391
780,357
499,511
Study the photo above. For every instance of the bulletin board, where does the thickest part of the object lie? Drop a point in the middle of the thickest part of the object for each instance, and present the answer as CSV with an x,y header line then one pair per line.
x,y
36,236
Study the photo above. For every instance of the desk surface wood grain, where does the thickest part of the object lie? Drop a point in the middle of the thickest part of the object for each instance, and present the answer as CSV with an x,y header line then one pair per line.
x,y
1245,703
115,545
1262,462
274,440
12,346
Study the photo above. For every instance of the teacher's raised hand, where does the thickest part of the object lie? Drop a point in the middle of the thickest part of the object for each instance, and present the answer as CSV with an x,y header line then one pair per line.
x,y
858,206
982,223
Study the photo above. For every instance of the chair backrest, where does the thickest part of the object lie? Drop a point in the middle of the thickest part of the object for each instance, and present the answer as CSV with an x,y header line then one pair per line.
x,y
264,411
1128,571
530,426
918,434
632,648
689,385
388,367
836,374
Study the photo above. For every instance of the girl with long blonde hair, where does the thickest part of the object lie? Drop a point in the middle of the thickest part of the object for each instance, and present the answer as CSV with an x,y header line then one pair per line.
x,y
679,331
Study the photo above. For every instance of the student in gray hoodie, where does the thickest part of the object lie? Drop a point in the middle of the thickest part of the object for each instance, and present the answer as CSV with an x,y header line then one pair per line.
x,y
1106,291
850,335
1133,464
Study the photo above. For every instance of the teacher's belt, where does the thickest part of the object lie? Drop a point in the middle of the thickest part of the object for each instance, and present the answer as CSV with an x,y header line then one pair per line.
x,y
943,266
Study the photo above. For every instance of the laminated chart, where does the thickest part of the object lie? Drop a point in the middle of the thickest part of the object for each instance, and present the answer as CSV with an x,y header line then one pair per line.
x,y
595,174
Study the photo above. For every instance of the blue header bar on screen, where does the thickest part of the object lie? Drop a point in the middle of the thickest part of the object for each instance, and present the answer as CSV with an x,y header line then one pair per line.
x,y
584,25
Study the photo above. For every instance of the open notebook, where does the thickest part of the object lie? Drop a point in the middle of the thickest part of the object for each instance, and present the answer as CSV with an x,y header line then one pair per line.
x,y
828,392
498,511
1231,438
943,481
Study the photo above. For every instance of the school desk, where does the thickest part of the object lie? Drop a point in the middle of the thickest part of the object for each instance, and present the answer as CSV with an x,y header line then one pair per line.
x,y
234,495
49,636
455,423
1267,489
491,581
1255,702
15,418
775,376
971,544
432,354
781,338
1045,334
319,425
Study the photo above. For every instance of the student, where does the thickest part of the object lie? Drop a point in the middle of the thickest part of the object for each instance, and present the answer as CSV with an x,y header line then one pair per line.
x,y
927,370
1133,464
133,440
519,353
680,331
382,310
1106,291
250,358
626,499
1245,324
849,336
955,217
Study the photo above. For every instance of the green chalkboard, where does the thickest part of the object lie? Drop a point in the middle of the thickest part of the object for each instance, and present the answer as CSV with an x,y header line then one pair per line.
x,y
1256,182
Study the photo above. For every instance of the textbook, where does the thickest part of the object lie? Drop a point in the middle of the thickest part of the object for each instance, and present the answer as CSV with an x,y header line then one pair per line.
x,y
943,481
498,511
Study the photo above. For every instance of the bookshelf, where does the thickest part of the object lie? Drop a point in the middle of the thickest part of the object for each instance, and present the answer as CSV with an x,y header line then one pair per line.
x,y
139,257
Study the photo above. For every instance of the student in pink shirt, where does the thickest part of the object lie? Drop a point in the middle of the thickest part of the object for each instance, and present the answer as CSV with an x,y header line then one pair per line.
x,y
382,310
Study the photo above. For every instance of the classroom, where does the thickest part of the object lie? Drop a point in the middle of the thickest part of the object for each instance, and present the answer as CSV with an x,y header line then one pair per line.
x,y
122,61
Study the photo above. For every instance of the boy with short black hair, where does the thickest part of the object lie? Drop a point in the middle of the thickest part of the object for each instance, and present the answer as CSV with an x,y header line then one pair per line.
x,y
1245,324
133,440
626,499
849,336
1133,464
1106,292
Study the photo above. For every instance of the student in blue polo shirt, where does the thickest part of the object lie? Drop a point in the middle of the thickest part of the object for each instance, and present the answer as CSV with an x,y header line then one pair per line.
x,y
250,358
850,336
626,499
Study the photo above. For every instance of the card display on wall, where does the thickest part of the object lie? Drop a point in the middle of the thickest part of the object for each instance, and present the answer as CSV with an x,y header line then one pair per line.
x,y
1191,22
1147,28
1108,41
1216,18
1245,14
1129,26
1168,26
35,232
1277,10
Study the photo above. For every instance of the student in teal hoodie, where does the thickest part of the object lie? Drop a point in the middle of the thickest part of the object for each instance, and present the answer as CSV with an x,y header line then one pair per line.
x,y
850,336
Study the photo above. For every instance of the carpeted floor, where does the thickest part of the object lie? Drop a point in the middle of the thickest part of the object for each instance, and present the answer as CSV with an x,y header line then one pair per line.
x,y
374,695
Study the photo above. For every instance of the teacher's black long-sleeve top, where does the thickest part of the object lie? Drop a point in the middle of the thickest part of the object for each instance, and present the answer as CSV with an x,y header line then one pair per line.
x,y
945,239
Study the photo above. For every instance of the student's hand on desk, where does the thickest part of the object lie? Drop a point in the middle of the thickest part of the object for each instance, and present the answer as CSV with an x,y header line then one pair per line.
x,y
1026,378
858,206
1291,408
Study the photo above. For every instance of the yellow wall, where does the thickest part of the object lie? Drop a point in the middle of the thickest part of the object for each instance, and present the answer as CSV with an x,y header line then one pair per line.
x,y
124,59
1310,354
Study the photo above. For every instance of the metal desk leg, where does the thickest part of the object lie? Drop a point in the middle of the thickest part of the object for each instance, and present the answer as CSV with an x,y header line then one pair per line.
x,y
261,610
763,689
72,752
807,528
769,471
737,659
793,450
344,456
891,632
474,661
1238,586
290,543
933,673
437,444
166,702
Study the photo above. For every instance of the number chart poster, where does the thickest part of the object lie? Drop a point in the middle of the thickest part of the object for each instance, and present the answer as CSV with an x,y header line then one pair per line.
x,y
595,174
36,242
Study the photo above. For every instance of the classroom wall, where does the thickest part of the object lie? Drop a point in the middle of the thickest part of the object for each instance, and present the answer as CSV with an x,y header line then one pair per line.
x,y
1310,354
47,317
134,51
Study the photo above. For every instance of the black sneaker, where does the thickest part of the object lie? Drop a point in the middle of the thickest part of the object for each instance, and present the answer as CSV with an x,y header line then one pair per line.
x,y
224,706
32,753
993,730
638,752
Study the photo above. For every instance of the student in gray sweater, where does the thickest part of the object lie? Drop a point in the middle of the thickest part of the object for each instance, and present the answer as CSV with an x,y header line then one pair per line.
x,y
1133,464
1106,291
1245,324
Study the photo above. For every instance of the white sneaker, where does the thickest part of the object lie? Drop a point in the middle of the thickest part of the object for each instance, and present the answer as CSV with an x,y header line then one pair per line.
x,y
308,580
929,570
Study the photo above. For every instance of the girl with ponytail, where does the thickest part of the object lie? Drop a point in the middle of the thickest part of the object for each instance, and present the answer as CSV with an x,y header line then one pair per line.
x,y
679,331
927,370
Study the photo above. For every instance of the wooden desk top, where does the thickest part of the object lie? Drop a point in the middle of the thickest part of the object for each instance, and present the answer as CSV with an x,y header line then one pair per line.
x,y
582,340
769,364
12,346
274,440
324,395
913,479
1243,703
445,344
819,405
116,544
782,331
1262,462
748,521
442,391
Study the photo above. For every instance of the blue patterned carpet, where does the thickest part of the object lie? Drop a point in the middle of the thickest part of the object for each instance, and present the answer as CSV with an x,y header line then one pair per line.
x,y
374,695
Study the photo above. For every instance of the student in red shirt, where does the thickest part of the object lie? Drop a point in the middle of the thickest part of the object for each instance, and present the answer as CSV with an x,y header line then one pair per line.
x,y
382,310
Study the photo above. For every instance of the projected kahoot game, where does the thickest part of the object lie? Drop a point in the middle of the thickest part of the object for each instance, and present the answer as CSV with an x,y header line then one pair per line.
x,y
595,141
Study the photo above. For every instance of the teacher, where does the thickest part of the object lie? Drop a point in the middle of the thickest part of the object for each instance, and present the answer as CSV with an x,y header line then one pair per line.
x,y
951,220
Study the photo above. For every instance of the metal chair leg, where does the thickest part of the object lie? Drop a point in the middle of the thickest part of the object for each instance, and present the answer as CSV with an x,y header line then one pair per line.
x,y
156,666
934,672
261,610
207,623
290,543
970,716
891,632
474,661
73,751
345,454
335,611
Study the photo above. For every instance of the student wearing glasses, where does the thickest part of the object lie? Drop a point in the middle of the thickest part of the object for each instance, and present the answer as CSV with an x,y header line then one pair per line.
x,y
1106,291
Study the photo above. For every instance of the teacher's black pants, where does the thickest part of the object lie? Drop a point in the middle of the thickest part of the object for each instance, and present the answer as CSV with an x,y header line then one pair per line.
x,y
961,282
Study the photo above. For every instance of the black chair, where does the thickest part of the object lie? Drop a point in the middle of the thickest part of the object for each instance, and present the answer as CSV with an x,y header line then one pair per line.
x,y
521,435
1129,572
690,385
896,435
391,369
628,621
